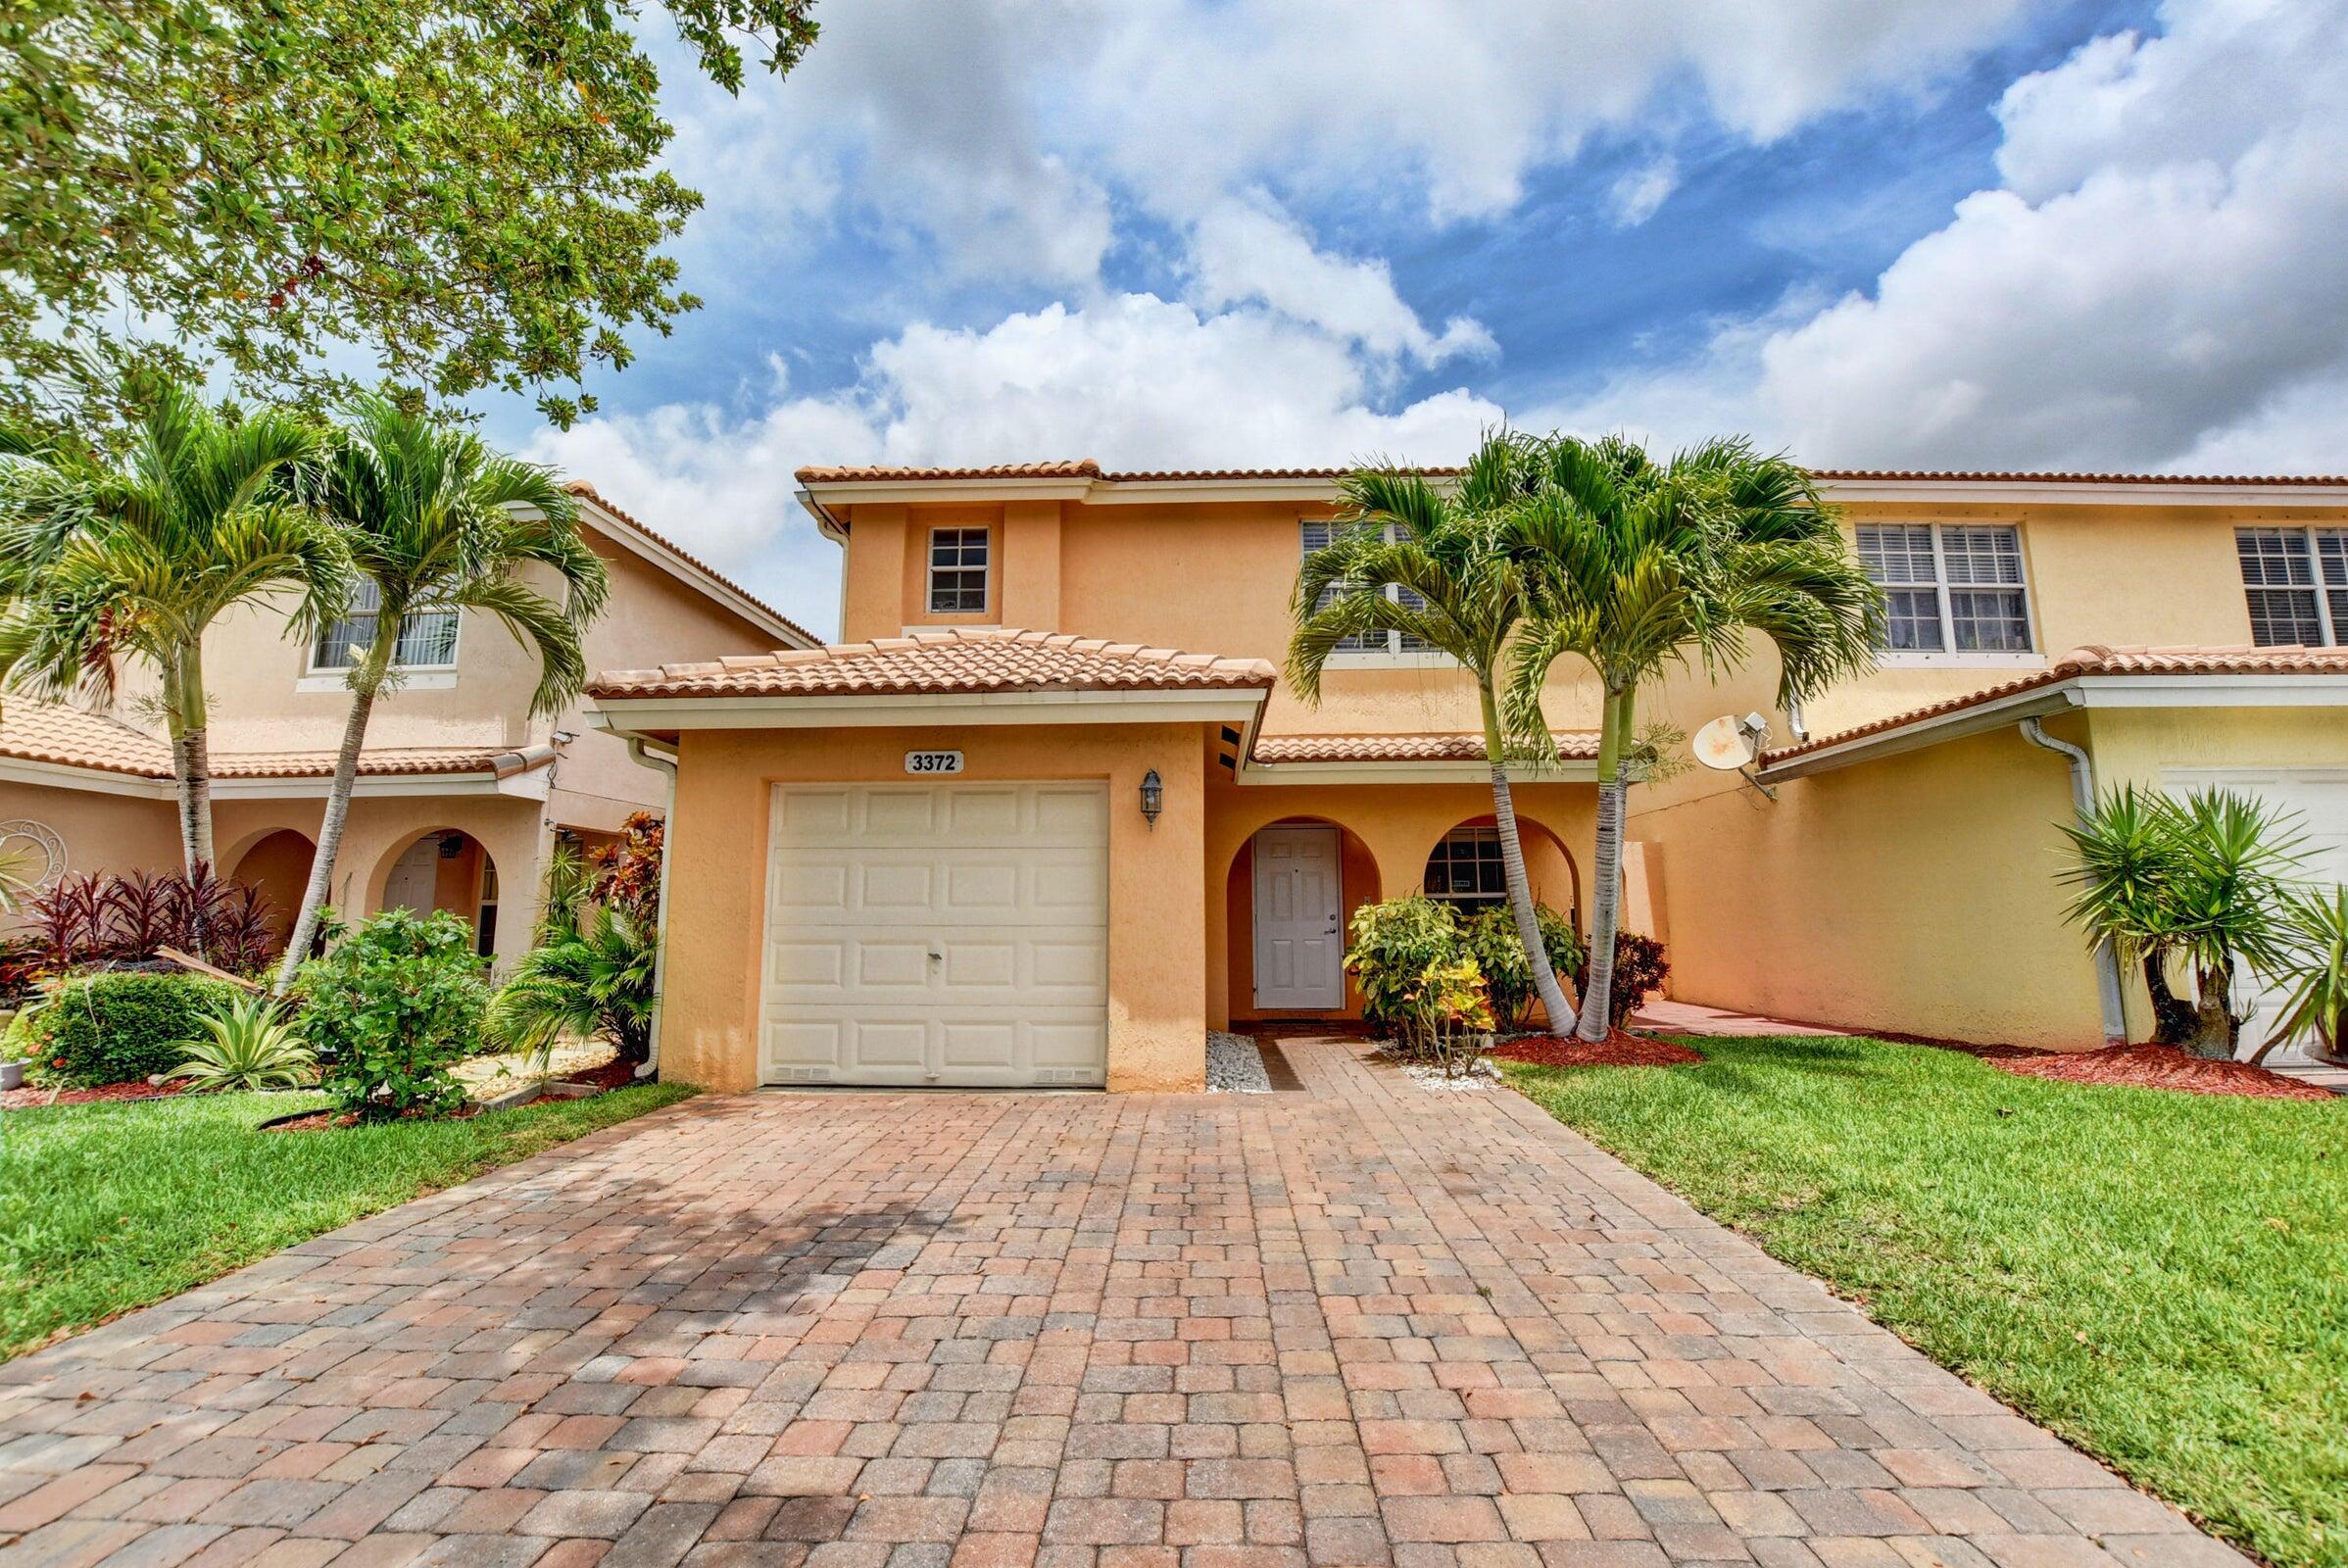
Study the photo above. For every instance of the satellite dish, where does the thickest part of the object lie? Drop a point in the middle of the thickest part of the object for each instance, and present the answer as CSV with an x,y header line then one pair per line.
x,y
1724,743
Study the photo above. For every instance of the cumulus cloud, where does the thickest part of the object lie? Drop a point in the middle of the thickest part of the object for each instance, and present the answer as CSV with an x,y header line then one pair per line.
x,y
2159,280
1133,380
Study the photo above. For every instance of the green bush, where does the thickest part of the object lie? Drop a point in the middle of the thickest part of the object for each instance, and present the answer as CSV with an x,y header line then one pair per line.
x,y
392,1006
1491,939
1394,943
119,1028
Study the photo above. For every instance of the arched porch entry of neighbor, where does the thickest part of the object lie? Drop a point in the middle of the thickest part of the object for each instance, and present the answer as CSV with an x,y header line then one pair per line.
x,y
278,863
1289,897
443,869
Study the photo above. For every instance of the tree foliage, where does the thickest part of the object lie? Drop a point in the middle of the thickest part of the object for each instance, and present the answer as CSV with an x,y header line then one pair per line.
x,y
463,190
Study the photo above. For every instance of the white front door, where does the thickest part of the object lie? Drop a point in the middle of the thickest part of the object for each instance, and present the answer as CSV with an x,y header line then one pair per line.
x,y
935,934
1299,919
414,877
2320,795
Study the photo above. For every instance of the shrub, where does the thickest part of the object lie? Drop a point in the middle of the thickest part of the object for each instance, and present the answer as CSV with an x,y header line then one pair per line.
x,y
1451,1012
1394,943
1491,939
601,980
100,917
24,961
2315,964
120,1028
392,1006
249,1044
1639,970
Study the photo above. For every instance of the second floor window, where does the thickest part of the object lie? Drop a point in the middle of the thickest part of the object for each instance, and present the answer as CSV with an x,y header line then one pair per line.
x,y
1950,587
427,637
1316,534
2296,580
957,571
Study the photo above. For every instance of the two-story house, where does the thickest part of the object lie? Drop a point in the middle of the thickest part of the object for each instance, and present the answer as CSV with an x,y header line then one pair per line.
x,y
1049,811
461,789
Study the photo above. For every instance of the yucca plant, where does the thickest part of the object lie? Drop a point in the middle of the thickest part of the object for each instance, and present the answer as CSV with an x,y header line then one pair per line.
x,y
249,1046
2315,964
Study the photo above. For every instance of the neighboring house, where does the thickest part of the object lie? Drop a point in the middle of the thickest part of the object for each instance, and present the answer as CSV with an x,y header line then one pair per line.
x,y
460,790
1049,813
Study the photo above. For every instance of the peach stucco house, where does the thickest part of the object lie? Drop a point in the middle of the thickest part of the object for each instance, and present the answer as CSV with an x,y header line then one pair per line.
x,y
460,790
1048,813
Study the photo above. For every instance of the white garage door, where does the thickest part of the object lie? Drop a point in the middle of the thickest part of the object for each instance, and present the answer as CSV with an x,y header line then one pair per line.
x,y
2319,796
937,934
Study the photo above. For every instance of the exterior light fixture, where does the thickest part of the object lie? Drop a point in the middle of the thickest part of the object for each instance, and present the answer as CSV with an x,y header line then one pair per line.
x,y
1153,795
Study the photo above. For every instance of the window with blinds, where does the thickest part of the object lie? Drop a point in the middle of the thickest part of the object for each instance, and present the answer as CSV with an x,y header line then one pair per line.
x,y
427,638
2296,583
1316,534
1950,587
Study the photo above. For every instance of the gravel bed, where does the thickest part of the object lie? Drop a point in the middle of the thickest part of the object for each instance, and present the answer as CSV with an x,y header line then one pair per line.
x,y
1478,1075
1233,1067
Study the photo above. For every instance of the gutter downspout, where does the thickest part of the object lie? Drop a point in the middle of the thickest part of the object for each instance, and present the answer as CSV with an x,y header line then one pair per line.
x,y
665,765
2083,805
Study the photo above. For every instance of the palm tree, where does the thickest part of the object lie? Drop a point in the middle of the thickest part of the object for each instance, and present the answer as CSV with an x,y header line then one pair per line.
x,y
1634,563
2124,866
97,564
579,983
435,520
1460,591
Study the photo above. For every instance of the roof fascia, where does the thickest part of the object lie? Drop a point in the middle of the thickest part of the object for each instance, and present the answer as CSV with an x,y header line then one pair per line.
x,y
2040,493
92,781
2013,709
635,715
1571,771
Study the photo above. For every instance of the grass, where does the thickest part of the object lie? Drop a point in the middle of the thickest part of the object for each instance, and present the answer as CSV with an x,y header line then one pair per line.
x,y
2162,1278
107,1207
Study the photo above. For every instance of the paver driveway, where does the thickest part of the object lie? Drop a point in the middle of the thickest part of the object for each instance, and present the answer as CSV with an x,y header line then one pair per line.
x,y
1359,1324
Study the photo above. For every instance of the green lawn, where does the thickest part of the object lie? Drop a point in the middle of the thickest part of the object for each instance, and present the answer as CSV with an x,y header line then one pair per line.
x,y
2162,1278
107,1207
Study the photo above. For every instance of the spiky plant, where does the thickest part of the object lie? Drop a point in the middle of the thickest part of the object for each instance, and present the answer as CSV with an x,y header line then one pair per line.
x,y
249,1044
597,981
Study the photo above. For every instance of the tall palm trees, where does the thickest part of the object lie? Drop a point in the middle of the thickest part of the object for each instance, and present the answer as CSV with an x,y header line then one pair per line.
x,y
1460,589
99,563
1634,565
435,520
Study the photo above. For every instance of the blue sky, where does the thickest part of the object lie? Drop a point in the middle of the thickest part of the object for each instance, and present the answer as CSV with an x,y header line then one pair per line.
x,y
1879,233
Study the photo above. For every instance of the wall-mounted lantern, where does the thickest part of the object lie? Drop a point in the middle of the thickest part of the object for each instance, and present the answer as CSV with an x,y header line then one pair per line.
x,y
1153,795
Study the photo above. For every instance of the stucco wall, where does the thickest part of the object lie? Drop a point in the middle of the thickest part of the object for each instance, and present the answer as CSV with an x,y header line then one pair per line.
x,y
1158,939
101,832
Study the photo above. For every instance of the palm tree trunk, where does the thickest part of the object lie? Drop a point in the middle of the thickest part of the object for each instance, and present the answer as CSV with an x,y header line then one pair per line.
x,y
338,812
2213,1025
1605,898
1512,867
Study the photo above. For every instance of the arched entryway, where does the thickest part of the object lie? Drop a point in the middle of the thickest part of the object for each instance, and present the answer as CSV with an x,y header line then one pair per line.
x,y
446,868
1289,897
1463,867
279,864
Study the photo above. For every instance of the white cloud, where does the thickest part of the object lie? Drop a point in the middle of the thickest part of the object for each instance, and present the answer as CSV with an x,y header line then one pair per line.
x,y
2161,276
1635,197
1133,380
1247,250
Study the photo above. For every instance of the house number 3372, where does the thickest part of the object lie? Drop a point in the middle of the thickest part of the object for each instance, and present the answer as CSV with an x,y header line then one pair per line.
x,y
932,761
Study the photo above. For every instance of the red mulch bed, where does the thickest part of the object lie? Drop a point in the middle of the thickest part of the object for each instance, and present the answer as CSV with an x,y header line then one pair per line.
x,y
1622,1049
617,1073
2148,1066
31,1098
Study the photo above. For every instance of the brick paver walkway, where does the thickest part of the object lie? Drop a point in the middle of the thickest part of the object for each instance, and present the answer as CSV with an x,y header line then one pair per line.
x,y
1359,1324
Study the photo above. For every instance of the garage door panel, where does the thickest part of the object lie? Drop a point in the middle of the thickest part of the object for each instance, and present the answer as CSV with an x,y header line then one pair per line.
x,y
1006,884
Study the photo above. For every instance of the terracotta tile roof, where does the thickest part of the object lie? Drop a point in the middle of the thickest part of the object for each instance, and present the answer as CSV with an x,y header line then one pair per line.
x,y
1463,747
580,487
2097,660
74,737
1087,469
936,662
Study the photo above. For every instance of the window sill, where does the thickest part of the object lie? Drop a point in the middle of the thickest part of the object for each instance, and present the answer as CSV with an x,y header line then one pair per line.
x,y
1429,660
1901,659
407,680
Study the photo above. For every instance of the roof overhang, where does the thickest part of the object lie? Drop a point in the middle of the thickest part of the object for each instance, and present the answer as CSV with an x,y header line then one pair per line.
x,y
649,547
1572,770
528,784
2090,691
657,717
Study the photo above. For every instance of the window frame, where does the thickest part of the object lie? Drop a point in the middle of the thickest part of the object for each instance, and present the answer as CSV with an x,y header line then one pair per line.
x,y
960,568
1395,654
1948,656
1479,900
446,666
2318,587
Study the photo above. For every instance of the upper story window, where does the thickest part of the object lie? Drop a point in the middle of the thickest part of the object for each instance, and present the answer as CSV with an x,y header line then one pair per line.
x,y
1315,534
957,571
1950,589
427,637
2296,580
